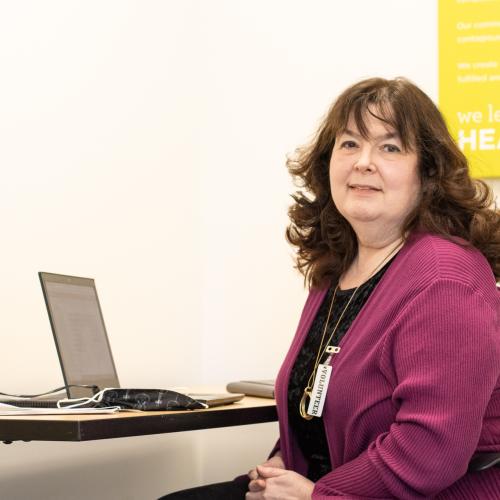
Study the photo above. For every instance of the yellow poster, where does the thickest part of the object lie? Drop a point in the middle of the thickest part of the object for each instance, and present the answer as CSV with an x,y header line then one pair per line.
x,y
469,79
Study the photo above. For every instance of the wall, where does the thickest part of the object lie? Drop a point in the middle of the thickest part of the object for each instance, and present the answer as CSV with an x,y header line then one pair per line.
x,y
143,144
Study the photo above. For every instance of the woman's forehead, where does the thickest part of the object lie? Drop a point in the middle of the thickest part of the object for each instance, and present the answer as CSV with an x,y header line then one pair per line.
x,y
369,125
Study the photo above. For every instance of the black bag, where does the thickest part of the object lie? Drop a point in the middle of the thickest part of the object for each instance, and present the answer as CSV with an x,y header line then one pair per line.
x,y
149,399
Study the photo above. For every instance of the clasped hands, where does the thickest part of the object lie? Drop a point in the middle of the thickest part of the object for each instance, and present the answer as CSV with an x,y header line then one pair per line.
x,y
271,481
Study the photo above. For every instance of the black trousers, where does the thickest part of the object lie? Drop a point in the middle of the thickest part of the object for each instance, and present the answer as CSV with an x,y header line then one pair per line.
x,y
230,490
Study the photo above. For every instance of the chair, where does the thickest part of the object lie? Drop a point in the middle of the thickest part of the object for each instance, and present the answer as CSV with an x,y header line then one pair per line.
x,y
483,461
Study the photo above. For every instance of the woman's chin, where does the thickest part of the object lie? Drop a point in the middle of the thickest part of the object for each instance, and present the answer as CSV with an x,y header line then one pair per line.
x,y
362,216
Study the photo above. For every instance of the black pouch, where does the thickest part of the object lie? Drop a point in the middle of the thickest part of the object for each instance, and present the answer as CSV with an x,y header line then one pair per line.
x,y
149,400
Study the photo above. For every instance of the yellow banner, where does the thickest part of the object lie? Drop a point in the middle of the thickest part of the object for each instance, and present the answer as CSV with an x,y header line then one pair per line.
x,y
469,79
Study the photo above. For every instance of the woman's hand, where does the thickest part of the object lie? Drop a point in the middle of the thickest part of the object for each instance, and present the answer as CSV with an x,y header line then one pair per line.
x,y
279,484
257,483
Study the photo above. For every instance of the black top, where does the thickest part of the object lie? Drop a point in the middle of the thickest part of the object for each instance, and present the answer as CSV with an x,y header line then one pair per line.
x,y
310,434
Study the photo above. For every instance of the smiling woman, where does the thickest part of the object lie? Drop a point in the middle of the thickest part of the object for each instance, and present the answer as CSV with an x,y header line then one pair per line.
x,y
391,387
401,250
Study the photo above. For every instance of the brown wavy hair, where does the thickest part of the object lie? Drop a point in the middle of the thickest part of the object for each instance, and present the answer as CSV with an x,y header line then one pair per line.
x,y
452,204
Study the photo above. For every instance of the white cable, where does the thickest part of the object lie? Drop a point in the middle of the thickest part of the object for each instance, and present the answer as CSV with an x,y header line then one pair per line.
x,y
77,402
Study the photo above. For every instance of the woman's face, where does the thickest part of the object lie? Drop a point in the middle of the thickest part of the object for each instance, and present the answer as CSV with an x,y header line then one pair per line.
x,y
373,180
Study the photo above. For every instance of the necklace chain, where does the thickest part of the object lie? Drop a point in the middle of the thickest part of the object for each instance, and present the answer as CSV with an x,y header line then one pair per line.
x,y
323,345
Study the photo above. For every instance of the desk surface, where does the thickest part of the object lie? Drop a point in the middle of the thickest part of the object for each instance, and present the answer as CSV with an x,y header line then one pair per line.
x,y
249,410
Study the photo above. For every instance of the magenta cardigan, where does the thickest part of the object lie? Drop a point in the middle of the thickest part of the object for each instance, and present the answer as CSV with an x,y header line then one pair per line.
x,y
415,390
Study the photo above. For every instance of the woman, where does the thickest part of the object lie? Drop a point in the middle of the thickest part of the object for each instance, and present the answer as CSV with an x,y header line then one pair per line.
x,y
391,384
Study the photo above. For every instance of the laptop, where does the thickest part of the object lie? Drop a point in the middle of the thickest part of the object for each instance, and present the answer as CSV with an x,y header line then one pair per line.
x,y
82,343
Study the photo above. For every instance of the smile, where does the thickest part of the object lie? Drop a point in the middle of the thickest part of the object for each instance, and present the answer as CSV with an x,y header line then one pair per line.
x,y
363,187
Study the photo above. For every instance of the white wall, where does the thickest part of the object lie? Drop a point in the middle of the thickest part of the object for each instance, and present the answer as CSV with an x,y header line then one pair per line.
x,y
143,144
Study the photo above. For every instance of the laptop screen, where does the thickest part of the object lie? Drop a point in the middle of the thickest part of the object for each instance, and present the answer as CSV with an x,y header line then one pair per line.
x,y
79,332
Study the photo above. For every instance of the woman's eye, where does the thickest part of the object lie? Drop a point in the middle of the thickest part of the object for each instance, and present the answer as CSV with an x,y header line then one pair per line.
x,y
391,148
348,145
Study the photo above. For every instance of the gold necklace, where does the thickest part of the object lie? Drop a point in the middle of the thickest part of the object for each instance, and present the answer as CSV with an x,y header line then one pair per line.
x,y
322,346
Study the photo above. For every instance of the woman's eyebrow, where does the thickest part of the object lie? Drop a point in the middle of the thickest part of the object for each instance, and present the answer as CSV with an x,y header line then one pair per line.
x,y
389,135
383,137
350,132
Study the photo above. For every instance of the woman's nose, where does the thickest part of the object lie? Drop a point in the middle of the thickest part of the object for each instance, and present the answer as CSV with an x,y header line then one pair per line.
x,y
364,162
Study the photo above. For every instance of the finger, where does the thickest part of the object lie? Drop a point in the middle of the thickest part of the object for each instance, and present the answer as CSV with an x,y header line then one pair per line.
x,y
270,471
257,485
268,464
253,474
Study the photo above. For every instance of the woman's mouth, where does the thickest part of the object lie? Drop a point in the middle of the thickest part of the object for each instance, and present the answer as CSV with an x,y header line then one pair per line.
x,y
364,188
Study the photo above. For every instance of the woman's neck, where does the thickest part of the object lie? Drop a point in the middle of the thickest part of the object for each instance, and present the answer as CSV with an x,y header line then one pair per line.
x,y
371,257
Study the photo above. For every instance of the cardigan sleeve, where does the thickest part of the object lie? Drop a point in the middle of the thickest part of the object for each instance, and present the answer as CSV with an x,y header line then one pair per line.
x,y
442,356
